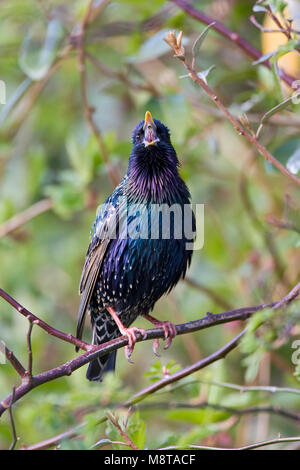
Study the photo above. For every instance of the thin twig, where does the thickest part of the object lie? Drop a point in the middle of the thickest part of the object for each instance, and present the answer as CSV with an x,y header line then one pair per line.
x,y
255,388
271,220
190,343
47,443
235,122
210,359
232,36
113,420
22,218
29,349
289,297
170,405
45,326
14,362
98,351
75,431
159,384
263,28
278,440
12,422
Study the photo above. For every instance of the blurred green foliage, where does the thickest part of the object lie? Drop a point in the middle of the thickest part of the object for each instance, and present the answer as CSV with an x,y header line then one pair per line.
x,y
47,150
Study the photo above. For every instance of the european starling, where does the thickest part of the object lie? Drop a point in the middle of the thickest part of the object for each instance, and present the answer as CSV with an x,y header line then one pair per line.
x,y
133,259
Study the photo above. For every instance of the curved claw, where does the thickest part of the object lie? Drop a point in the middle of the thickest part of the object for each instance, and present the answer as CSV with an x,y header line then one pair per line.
x,y
156,347
128,352
130,333
170,333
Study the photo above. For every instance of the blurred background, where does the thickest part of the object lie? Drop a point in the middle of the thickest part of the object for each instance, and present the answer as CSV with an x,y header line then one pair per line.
x,y
58,162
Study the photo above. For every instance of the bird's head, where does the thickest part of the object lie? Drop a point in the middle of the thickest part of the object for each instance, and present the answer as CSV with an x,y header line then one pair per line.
x,y
153,163
150,134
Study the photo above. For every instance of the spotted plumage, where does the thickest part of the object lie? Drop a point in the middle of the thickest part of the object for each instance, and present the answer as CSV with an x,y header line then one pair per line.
x,y
127,269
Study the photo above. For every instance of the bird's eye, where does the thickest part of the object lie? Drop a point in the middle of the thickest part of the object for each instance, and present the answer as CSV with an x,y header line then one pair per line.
x,y
140,135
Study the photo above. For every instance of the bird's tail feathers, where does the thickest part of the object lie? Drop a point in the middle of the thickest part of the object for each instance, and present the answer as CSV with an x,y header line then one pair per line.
x,y
99,366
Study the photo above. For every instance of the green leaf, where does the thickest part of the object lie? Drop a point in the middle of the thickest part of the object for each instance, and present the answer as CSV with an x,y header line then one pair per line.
x,y
203,74
101,443
252,363
276,75
199,41
82,159
197,434
36,169
279,107
14,98
200,416
264,58
258,8
136,429
39,48
66,199
293,163
284,49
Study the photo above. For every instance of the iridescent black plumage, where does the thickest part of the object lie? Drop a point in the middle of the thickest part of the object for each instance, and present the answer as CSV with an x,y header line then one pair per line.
x,y
131,274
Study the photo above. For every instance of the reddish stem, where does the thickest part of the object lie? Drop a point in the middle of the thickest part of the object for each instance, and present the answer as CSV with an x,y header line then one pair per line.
x,y
232,36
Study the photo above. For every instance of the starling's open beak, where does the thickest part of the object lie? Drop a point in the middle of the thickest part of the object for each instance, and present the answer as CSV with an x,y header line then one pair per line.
x,y
149,130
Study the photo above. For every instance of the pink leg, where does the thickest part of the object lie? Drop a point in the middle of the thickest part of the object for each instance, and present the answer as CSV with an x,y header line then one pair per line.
x,y
169,330
130,333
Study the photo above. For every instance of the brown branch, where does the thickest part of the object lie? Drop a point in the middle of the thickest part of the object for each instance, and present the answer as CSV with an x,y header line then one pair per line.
x,y
289,297
262,28
12,422
285,30
14,362
29,349
271,220
236,123
275,120
47,443
23,217
190,343
232,36
45,326
170,405
270,30
253,388
220,354
278,440
121,431
98,351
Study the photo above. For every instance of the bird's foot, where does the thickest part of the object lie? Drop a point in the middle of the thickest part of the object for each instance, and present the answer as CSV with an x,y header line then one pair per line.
x,y
169,333
130,333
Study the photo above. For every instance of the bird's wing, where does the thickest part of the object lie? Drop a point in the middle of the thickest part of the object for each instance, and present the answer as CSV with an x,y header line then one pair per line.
x,y
104,230
89,276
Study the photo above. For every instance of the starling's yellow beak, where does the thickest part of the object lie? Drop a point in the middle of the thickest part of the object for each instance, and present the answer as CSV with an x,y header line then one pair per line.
x,y
149,130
